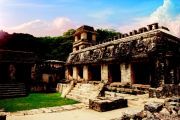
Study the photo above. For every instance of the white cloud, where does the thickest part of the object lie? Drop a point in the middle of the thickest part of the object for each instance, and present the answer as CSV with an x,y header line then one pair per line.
x,y
167,15
40,28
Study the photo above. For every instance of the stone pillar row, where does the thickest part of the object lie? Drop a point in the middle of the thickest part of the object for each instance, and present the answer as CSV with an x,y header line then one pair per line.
x,y
125,68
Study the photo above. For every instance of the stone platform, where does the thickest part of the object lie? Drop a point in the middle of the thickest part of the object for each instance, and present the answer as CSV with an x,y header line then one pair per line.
x,y
107,103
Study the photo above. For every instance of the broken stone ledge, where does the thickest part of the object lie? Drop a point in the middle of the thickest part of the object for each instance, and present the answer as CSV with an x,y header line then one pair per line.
x,y
107,103
167,90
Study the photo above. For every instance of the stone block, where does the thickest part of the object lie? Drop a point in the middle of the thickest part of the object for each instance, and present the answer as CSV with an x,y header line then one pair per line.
x,y
121,90
159,92
104,104
136,92
113,85
127,90
164,113
152,92
171,90
166,89
118,90
132,114
176,90
153,107
68,89
113,89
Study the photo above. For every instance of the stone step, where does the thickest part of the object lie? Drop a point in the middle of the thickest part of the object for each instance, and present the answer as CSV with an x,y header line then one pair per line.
x,y
12,90
75,92
6,93
85,94
11,84
11,95
86,85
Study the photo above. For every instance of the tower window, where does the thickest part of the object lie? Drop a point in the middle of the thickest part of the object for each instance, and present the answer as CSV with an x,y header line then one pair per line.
x,y
89,36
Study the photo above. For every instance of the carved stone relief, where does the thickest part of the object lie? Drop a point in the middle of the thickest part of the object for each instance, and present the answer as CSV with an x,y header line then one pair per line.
x,y
117,50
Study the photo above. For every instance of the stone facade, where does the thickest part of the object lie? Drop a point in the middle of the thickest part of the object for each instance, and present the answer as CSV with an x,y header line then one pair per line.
x,y
147,56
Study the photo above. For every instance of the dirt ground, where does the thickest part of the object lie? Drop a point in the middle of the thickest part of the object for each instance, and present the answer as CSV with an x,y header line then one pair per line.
x,y
83,113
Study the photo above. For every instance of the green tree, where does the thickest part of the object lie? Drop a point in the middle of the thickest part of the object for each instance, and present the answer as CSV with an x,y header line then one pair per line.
x,y
105,34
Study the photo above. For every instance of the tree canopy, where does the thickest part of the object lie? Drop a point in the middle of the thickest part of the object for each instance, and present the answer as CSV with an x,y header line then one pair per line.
x,y
47,47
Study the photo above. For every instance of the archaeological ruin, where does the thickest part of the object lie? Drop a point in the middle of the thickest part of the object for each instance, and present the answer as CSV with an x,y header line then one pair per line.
x,y
149,56
15,72
141,62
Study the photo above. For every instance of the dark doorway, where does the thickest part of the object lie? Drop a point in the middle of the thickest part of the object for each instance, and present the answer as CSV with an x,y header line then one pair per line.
x,y
115,73
50,79
141,72
4,73
81,72
71,71
89,36
23,72
96,73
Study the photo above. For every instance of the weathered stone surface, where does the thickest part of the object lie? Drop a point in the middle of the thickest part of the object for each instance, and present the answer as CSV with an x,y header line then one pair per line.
x,y
2,110
159,93
107,103
153,106
151,92
132,114
166,89
164,113
69,107
68,89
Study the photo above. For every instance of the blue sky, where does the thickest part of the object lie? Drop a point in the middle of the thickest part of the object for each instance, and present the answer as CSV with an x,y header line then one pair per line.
x,y
53,17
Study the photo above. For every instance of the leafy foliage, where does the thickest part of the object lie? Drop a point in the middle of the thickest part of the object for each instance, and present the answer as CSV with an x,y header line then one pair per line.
x,y
105,34
47,47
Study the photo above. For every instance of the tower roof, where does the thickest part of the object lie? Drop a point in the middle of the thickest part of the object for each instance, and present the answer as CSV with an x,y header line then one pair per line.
x,y
85,28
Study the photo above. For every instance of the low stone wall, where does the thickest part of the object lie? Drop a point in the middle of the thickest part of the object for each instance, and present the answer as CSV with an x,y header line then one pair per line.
x,y
167,90
126,89
61,86
37,88
107,103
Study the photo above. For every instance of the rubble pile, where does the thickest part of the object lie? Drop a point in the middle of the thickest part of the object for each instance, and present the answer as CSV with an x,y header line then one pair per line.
x,y
167,90
107,103
155,111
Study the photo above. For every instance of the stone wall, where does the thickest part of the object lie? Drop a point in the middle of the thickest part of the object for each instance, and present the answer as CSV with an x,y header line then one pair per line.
x,y
167,90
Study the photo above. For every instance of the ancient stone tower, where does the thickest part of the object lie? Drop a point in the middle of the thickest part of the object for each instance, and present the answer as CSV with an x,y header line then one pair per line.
x,y
85,36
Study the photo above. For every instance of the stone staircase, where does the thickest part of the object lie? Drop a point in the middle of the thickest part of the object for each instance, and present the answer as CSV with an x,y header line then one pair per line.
x,y
84,92
12,90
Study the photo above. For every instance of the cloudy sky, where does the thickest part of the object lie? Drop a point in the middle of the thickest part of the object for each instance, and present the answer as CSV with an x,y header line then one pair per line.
x,y
53,17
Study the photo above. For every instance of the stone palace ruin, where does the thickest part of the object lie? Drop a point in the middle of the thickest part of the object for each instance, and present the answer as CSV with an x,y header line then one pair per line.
x,y
136,63
149,56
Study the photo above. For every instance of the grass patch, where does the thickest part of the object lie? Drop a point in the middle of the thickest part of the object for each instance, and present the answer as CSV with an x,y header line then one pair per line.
x,y
34,101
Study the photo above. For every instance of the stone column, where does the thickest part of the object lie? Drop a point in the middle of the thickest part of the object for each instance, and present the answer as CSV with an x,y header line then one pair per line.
x,y
159,71
85,72
75,73
76,38
104,73
68,72
93,37
125,73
